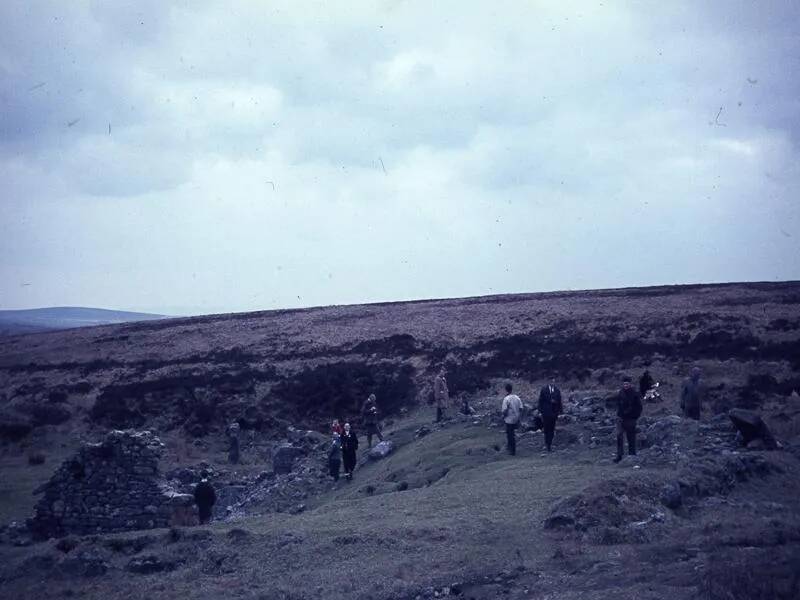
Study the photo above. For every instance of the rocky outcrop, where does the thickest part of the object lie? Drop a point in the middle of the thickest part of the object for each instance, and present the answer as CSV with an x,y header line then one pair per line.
x,y
110,486
752,427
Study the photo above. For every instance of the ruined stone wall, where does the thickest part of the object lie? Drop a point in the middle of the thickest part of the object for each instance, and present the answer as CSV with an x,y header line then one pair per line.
x,y
107,487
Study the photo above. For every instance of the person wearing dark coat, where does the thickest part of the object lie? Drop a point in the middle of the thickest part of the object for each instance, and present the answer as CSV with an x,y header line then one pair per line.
x,y
369,415
692,393
204,497
349,447
335,456
550,407
646,381
629,409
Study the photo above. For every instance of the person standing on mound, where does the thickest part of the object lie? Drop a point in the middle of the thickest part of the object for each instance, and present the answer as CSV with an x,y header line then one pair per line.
x,y
629,409
441,394
369,415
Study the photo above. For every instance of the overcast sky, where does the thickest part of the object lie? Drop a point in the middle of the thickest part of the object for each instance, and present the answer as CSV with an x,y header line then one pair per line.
x,y
192,157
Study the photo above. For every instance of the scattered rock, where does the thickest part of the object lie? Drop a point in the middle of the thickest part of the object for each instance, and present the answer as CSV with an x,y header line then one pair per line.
x,y
283,458
752,427
671,496
151,564
422,432
381,450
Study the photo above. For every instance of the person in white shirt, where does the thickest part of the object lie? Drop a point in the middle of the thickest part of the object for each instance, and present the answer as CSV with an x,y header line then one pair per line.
x,y
512,413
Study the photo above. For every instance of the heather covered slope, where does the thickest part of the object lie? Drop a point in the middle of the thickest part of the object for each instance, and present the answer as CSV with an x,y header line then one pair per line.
x,y
272,368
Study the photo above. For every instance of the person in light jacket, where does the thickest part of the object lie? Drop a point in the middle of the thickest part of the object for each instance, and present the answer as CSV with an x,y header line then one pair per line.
x,y
512,413
441,395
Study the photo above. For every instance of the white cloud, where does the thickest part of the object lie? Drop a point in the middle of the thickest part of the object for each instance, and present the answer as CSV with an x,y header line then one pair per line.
x,y
282,154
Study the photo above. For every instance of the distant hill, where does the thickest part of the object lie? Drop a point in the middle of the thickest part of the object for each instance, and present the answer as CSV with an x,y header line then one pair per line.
x,y
64,317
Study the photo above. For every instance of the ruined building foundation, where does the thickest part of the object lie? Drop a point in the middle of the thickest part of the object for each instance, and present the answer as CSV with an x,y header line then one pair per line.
x,y
111,486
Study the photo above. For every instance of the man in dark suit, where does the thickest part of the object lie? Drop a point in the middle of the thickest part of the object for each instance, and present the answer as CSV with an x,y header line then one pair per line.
x,y
549,408
204,497
629,409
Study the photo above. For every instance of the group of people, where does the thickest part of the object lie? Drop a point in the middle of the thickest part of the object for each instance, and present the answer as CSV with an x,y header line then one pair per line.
x,y
550,406
344,443
629,409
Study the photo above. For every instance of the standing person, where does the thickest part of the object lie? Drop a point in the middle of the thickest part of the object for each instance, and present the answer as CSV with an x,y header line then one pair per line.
x,y
335,456
550,407
440,394
692,394
645,383
233,442
369,414
512,412
349,447
629,409
204,497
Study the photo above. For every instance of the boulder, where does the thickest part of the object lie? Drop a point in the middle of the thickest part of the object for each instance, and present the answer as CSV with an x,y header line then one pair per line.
x,y
422,432
283,458
671,495
151,564
751,427
381,450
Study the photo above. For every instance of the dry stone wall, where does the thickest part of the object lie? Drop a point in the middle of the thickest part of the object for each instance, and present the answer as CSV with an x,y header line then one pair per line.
x,y
110,486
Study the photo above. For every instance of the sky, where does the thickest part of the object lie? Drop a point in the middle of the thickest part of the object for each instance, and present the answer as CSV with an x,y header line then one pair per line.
x,y
201,157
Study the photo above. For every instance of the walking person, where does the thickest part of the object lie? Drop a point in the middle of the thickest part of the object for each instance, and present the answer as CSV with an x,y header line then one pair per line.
x,y
629,409
512,413
692,393
349,447
204,497
441,395
369,415
550,406
335,456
